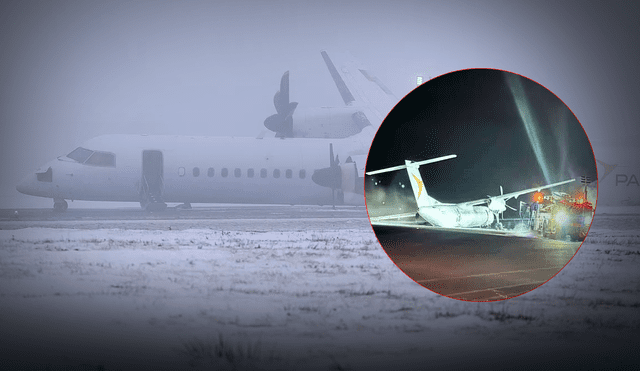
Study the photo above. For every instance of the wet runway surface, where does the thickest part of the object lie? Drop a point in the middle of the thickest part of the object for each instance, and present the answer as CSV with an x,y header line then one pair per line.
x,y
477,267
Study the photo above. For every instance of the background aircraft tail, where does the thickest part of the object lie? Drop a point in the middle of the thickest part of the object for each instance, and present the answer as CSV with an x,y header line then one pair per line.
x,y
413,168
359,87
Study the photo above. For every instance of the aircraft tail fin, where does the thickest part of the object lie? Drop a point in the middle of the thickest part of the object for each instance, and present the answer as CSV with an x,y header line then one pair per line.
x,y
345,93
359,87
413,169
419,191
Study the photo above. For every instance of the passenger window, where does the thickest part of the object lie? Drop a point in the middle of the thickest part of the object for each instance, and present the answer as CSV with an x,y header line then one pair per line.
x,y
105,159
250,173
210,172
263,173
237,172
276,173
303,174
288,173
80,154
224,172
180,171
196,171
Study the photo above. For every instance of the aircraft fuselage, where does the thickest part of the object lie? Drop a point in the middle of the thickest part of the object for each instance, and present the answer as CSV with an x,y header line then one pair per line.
x,y
201,170
455,216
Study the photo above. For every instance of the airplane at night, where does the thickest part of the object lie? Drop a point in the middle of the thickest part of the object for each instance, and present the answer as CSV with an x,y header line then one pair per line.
x,y
471,214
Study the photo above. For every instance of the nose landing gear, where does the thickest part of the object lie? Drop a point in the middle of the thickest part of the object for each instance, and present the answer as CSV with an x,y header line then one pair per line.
x,y
60,205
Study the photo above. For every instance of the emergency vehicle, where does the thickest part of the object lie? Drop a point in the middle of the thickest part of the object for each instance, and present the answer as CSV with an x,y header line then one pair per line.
x,y
559,216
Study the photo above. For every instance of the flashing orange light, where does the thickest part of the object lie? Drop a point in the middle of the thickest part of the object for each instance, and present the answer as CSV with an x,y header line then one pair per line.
x,y
538,197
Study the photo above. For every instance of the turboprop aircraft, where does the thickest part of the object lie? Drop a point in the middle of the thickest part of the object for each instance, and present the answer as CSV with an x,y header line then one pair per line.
x,y
364,95
289,168
460,215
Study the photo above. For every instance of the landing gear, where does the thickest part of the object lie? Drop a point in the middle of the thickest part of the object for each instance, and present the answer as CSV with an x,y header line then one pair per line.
x,y
498,225
60,205
153,206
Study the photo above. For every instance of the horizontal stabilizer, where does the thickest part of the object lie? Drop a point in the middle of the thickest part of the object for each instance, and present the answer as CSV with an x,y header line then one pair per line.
x,y
417,163
369,76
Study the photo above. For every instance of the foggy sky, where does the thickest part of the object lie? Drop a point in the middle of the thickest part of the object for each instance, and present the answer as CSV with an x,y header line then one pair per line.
x,y
72,70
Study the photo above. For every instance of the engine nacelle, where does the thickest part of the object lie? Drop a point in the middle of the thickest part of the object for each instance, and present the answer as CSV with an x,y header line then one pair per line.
x,y
347,178
328,122
497,205
478,216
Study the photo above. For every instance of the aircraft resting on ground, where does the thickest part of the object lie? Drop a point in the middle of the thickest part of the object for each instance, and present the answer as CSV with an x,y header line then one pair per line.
x,y
290,168
470,214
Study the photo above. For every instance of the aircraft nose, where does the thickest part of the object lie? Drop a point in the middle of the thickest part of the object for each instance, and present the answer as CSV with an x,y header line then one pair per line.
x,y
24,186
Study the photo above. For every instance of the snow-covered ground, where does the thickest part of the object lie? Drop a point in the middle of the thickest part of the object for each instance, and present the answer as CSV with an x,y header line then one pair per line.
x,y
286,294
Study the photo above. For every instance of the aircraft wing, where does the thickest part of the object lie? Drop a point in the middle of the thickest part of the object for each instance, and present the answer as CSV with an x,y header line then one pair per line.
x,y
508,196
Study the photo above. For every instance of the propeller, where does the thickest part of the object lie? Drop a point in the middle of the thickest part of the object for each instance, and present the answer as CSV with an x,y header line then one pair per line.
x,y
498,205
499,202
282,122
505,201
330,177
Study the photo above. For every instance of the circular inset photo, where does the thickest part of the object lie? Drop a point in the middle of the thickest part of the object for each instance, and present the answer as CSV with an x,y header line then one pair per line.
x,y
481,185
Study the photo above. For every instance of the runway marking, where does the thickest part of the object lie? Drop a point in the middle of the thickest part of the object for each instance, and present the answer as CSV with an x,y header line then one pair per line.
x,y
495,288
488,274
497,295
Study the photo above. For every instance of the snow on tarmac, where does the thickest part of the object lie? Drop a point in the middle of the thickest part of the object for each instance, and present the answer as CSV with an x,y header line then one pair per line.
x,y
273,295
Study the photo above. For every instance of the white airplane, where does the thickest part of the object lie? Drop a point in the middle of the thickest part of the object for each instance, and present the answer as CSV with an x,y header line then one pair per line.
x,y
363,94
461,215
289,168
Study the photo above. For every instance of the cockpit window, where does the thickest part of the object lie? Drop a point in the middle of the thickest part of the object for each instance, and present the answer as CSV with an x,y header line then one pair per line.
x,y
80,154
96,158
102,159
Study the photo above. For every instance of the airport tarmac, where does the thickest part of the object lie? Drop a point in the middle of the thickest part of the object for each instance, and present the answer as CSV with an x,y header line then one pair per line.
x,y
122,289
476,267
209,216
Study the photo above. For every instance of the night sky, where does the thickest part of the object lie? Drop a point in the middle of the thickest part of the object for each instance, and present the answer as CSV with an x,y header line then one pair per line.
x,y
473,114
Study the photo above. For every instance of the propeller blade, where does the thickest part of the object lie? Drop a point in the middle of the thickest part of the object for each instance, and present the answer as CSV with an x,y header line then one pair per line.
x,y
281,99
282,122
331,176
501,193
331,159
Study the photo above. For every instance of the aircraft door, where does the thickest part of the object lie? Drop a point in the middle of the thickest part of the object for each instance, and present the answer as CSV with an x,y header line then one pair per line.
x,y
152,180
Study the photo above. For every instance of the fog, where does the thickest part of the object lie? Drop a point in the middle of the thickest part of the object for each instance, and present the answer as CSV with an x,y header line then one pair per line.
x,y
72,70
